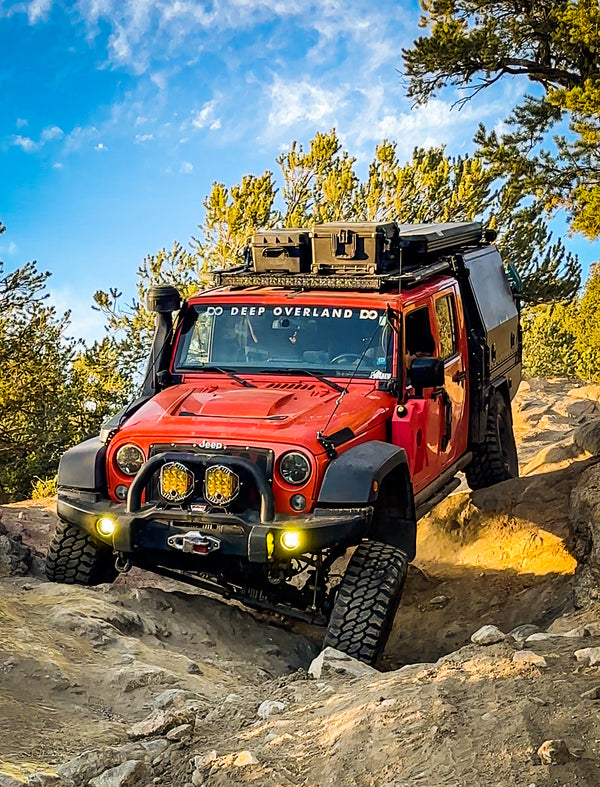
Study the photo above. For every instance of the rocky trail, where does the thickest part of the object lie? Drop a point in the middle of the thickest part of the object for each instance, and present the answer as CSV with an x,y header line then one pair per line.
x,y
150,682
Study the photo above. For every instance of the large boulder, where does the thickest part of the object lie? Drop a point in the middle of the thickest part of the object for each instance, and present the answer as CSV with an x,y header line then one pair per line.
x,y
15,556
585,522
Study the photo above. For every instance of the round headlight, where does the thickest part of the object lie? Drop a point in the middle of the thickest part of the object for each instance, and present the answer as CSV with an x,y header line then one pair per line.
x,y
129,459
295,468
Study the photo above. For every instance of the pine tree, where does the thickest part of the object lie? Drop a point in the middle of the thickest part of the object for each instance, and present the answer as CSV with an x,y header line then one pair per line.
x,y
472,44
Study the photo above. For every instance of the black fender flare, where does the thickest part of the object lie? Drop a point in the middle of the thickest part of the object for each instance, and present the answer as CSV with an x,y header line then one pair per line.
x,y
375,474
83,466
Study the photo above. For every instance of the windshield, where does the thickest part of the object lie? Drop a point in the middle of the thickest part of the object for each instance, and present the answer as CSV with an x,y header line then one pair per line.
x,y
337,341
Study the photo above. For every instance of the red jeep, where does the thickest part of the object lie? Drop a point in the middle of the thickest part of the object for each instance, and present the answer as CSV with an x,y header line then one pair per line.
x,y
324,396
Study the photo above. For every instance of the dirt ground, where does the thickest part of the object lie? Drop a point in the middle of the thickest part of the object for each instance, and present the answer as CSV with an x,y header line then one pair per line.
x,y
79,666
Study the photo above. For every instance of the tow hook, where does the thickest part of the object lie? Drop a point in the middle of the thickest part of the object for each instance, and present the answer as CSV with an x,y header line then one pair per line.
x,y
122,564
194,541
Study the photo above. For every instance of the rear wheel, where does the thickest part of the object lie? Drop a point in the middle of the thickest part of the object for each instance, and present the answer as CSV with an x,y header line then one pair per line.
x,y
495,460
367,601
75,559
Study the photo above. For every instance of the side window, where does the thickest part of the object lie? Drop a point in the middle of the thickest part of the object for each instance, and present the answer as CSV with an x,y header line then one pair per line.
x,y
444,308
418,337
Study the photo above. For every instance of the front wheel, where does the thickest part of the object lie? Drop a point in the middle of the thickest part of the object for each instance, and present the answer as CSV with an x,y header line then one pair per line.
x,y
367,601
495,459
74,558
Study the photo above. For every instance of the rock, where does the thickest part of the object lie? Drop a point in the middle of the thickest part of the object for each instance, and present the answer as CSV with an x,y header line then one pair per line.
x,y
542,636
526,657
587,437
580,631
6,781
128,773
439,601
139,675
269,707
91,763
590,656
15,557
180,733
245,758
554,752
198,779
160,721
334,660
487,635
593,629
520,633
40,780
172,698
592,694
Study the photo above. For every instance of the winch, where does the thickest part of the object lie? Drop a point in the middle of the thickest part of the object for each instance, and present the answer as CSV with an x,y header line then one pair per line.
x,y
194,541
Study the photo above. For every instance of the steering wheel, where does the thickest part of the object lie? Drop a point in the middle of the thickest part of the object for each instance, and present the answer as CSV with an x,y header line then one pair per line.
x,y
346,358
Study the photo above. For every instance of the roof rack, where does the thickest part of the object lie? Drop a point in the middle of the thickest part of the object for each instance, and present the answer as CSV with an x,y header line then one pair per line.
x,y
426,251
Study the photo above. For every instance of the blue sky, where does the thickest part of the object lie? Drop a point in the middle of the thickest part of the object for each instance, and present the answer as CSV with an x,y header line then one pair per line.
x,y
117,115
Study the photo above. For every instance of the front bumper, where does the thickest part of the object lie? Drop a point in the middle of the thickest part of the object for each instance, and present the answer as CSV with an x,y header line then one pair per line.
x,y
148,529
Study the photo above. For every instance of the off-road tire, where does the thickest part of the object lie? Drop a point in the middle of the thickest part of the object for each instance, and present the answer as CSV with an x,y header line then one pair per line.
x,y
367,601
495,459
74,558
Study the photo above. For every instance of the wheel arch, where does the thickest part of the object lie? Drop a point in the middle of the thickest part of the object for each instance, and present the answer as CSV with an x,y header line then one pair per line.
x,y
375,473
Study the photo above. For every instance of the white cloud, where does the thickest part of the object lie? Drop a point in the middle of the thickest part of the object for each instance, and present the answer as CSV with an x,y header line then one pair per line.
x,y
141,138
205,117
57,165
26,143
294,102
100,146
52,132
186,168
37,10
21,122
29,145
78,137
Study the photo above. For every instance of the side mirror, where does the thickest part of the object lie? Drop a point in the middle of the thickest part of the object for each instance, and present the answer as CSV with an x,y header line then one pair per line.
x,y
426,373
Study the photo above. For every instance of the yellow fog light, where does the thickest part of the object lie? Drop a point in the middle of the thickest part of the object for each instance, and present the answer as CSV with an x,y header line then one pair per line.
x,y
105,526
221,485
176,482
290,539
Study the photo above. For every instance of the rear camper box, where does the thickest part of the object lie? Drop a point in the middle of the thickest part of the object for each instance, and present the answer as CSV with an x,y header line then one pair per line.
x,y
495,304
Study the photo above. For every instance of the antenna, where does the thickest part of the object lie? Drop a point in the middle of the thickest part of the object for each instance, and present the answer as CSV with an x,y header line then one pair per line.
x,y
326,442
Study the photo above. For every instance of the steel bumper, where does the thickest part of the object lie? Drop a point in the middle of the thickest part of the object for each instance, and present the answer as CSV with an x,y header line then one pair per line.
x,y
242,536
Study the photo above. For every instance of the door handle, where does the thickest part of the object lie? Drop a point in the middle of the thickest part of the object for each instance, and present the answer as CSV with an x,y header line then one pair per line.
x,y
459,377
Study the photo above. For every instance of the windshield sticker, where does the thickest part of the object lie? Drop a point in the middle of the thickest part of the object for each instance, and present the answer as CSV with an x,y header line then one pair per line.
x,y
381,361
298,311
379,375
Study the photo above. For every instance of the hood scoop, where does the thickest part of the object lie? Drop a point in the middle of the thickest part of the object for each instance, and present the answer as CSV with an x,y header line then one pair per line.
x,y
246,403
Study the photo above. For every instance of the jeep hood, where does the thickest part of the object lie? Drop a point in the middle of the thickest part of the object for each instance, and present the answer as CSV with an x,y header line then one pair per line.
x,y
289,413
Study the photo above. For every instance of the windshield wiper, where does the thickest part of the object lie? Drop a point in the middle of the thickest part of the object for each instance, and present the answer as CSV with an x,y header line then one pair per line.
x,y
228,372
311,373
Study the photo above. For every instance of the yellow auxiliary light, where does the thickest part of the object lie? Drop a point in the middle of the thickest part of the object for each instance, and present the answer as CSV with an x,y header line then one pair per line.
x,y
105,526
221,485
290,539
176,482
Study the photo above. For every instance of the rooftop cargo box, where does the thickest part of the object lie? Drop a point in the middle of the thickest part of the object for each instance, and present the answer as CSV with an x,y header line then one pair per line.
x,y
352,247
281,251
